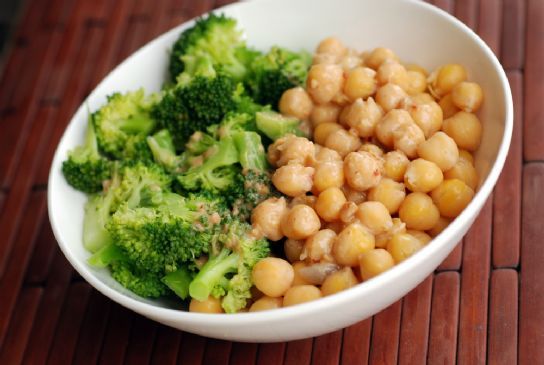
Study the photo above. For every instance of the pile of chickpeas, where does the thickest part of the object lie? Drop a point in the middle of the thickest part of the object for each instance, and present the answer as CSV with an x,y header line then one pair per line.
x,y
388,167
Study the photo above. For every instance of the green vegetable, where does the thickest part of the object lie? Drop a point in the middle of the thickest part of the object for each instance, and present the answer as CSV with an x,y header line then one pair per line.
x,y
275,125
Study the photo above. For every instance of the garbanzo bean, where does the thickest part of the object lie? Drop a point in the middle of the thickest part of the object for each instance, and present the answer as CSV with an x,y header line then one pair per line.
x,y
301,294
423,237
440,149
343,142
329,204
375,216
422,98
318,246
464,171
299,279
467,156
467,96
293,249
347,213
422,175
372,148
362,116
210,305
465,129
416,68
296,102
447,106
354,240
300,222
308,200
407,137
392,121
398,227
337,281
440,225
392,72
403,245
293,179
273,276
391,96
267,217
417,82
419,212
327,175
355,196
446,77
323,130
332,45
374,262
360,83
451,197
378,56
324,154
293,149
324,81
427,116
388,192
266,303
324,113
395,165
362,170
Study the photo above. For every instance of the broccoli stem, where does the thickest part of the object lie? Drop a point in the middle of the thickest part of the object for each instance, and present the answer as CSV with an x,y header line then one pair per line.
x,y
137,124
178,281
275,125
212,273
250,150
106,255
162,147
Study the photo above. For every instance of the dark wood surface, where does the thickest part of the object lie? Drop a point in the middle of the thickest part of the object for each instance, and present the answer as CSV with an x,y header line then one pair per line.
x,y
485,303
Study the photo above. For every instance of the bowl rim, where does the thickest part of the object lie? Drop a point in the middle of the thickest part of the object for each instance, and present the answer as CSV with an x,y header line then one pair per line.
x,y
286,313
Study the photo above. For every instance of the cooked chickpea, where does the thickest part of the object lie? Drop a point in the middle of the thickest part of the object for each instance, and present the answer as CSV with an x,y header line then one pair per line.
x,y
427,116
403,245
398,227
446,77
350,60
331,45
360,83
301,294
378,56
299,279
375,216
422,98
296,103
388,192
464,171
327,175
293,249
451,197
465,129
354,196
210,305
329,204
337,281
389,124
324,130
325,59
392,72
300,222
422,175
343,142
391,96
308,200
407,138
447,106
324,113
324,154
324,81
294,149
293,179
423,237
419,212
273,276
467,156
440,149
416,68
395,165
371,148
350,243
347,213
318,246
362,116
374,262
440,225
267,217
467,96
416,84
266,303
362,170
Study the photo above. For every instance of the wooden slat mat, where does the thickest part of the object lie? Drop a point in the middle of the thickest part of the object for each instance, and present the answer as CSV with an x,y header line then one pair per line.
x,y
484,304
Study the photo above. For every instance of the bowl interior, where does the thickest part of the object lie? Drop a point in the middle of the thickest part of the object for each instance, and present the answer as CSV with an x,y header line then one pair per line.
x,y
417,32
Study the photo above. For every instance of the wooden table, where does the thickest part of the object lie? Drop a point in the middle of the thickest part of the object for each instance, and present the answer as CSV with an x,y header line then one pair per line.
x,y
484,303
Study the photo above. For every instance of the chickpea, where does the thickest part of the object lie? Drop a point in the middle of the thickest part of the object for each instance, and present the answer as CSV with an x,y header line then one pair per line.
x,y
354,196
467,96
447,106
389,123
362,170
392,72
375,216
301,294
300,222
419,212
416,83
422,175
416,68
337,226
465,129
343,142
210,305
388,192
266,303
395,165
328,175
318,247
347,213
362,116
293,249
325,59
351,61
267,216
324,130
324,113
379,56
299,279
293,179
391,96
337,281
330,203
324,154
451,197
440,149
423,237
273,276
427,116
407,137
332,45
294,149
360,83
402,246
439,226
374,262
464,171
422,98
308,200
398,227
354,240
296,103
324,81
467,156
372,148
446,77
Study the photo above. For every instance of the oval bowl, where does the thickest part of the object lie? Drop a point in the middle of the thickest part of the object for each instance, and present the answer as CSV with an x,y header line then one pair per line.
x,y
418,33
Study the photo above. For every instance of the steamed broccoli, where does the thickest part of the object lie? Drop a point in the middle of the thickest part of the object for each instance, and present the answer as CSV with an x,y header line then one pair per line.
x,y
140,281
162,148
275,125
85,169
139,181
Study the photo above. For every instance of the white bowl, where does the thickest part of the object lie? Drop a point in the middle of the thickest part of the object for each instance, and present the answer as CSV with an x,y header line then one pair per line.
x,y
418,33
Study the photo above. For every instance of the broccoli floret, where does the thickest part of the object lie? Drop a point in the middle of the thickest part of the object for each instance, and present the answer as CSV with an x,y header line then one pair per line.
x,y
178,281
276,71
162,147
107,255
250,150
233,123
123,116
137,149
275,125
85,169
139,178
140,281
